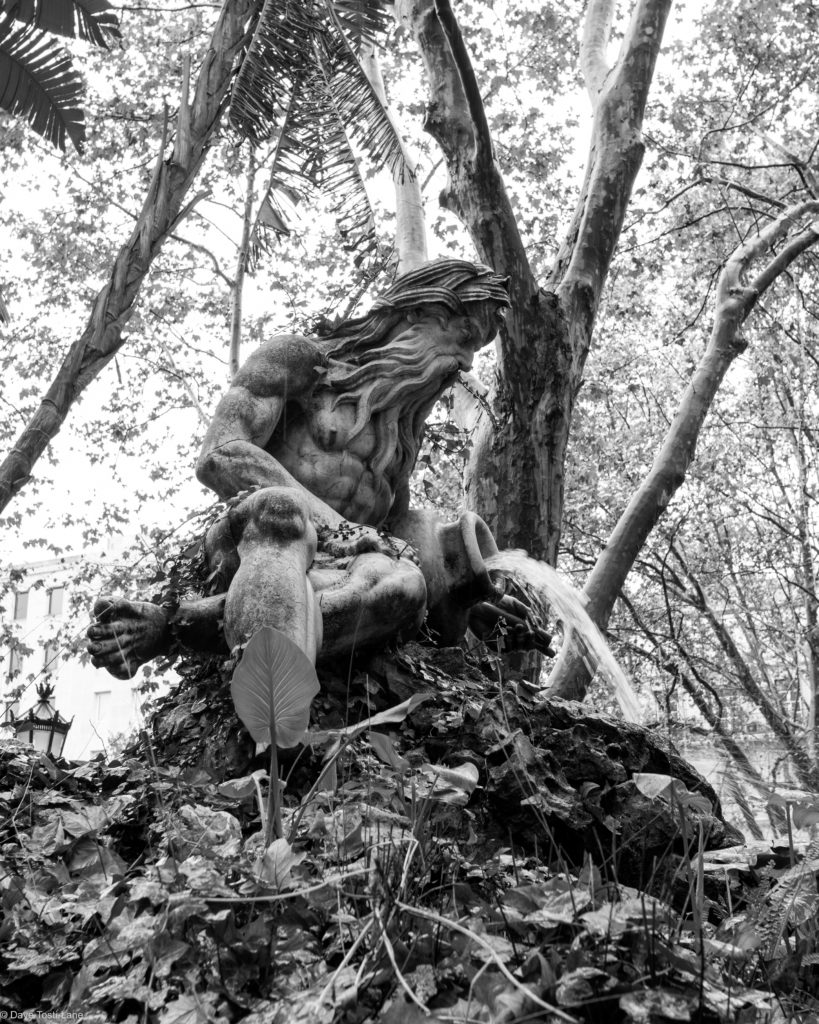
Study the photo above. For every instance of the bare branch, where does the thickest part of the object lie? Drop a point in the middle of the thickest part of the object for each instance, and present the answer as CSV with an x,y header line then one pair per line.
x,y
615,158
410,226
734,301
806,172
596,33
466,73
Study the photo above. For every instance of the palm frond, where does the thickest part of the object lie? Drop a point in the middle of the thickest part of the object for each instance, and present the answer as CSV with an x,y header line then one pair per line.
x,y
358,104
278,56
341,180
4,313
39,82
308,42
362,21
92,20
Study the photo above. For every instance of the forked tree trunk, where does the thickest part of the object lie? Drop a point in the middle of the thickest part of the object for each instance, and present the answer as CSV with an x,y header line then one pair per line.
x,y
161,212
515,477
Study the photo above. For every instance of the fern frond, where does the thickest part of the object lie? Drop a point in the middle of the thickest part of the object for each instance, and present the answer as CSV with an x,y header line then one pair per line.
x,y
91,20
39,83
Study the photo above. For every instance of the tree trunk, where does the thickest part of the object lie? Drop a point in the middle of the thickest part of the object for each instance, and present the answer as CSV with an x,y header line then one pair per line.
x,y
515,478
162,210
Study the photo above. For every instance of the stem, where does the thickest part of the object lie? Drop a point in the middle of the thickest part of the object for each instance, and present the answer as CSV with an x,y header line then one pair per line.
x,y
274,811
241,270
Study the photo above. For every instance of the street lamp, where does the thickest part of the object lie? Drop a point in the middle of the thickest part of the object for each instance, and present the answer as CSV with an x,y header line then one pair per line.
x,y
43,726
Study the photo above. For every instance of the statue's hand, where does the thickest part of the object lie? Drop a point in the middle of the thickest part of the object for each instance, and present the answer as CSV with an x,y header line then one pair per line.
x,y
349,539
509,620
126,634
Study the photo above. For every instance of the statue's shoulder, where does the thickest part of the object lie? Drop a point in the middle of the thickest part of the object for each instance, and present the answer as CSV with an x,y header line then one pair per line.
x,y
285,362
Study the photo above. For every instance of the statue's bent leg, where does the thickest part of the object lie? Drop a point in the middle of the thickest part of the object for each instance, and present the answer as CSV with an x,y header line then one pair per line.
x,y
372,601
271,588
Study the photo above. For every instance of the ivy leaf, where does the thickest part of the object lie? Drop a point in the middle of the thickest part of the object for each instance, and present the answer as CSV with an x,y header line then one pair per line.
x,y
275,682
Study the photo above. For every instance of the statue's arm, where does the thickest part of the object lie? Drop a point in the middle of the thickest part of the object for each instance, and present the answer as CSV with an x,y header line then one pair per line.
x,y
233,456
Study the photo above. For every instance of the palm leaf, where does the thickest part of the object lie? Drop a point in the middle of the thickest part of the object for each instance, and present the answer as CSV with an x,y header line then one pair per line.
x,y
278,56
313,154
358,105
92,20
307,42
39,83
362,21
341,180
4,313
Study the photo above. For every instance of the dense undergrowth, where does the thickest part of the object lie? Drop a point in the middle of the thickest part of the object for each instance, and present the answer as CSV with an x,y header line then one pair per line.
x,y
412,884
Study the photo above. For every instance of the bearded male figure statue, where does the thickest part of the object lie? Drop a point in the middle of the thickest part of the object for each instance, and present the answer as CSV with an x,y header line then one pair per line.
x,y
323,432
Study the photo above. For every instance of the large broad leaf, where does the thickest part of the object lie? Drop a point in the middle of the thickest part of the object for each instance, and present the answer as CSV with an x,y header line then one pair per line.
x,y
92,20
39,83
275,681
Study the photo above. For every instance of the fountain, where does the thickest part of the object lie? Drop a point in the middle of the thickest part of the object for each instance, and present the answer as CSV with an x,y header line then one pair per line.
x,y
550,593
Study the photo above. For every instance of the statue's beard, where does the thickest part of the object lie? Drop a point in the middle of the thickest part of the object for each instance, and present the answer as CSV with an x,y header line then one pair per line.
x,y
394,388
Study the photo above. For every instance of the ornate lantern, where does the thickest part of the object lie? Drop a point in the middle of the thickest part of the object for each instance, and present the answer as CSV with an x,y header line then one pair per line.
x,y
43,726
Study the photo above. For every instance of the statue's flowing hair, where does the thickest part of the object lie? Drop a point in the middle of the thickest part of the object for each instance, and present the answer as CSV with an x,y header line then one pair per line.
x,y
404,375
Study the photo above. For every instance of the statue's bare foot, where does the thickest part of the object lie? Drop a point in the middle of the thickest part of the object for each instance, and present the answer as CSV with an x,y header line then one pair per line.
x,y
126,634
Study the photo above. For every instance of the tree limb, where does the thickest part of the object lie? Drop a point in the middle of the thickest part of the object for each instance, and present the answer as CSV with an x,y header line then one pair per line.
x,y
614,160
596,33
410,222
469,83
734,301
113,306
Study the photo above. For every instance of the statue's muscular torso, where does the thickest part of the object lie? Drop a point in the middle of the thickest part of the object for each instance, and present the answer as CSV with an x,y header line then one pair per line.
x,y
312,441
279,416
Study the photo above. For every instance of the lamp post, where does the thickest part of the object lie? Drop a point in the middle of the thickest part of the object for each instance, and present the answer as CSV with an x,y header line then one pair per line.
x,y
42,725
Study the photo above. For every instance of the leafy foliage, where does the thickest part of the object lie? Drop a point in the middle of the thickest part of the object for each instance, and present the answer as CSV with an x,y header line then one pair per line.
x,y
38,81
301,84
141,888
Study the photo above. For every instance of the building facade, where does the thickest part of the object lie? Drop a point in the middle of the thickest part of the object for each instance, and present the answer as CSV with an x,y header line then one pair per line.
x,y
43,619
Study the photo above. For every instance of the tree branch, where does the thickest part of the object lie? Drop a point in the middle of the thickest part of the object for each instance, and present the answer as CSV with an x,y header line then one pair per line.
x,y
410,222
734,301
596,33
113,306
614,160
466,73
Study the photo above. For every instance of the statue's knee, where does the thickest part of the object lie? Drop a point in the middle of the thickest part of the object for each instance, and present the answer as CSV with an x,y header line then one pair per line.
x,y
277,514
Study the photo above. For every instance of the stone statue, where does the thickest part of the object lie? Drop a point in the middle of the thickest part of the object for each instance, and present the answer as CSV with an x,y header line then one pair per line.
x,y
319,436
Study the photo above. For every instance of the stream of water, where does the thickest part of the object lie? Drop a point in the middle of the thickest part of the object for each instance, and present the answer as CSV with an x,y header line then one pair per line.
x,y
548,591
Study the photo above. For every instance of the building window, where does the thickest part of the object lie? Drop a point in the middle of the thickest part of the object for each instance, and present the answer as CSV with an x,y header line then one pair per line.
x,y
55,600
16,660
10,709
50,663
102,701
21,604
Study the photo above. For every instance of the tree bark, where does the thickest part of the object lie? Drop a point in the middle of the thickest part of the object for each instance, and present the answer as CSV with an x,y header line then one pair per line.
x,y
410,222
161,212
735,301
515,478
